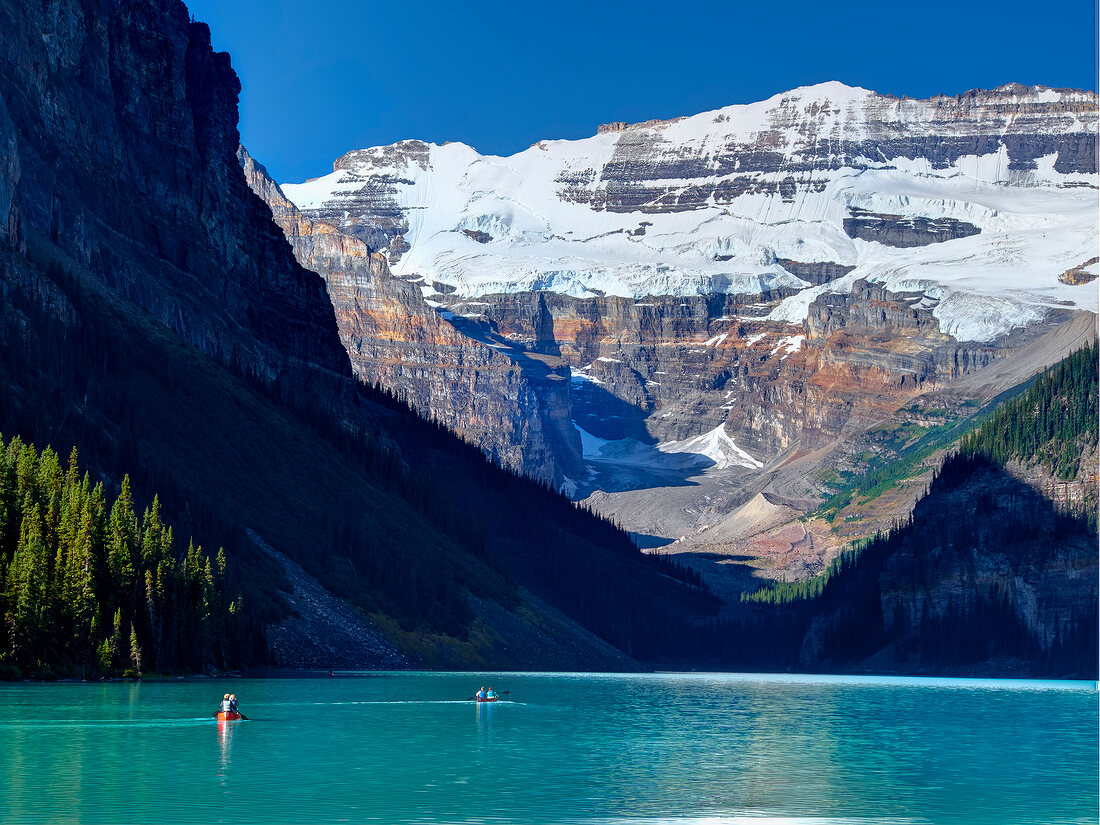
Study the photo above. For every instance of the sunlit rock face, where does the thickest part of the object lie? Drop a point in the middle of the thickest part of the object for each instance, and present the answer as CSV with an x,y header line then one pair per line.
x,y
516,408
791,271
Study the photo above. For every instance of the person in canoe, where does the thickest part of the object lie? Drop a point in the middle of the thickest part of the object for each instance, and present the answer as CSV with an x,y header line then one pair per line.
x,y
481,694
226,705
491,695
233,703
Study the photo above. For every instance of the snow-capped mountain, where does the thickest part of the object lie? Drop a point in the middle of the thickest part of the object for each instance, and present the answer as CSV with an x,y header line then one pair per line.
x,y
671,317
978,202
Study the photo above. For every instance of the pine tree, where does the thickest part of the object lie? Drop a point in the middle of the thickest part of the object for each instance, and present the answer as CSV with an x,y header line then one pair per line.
x,y
135,650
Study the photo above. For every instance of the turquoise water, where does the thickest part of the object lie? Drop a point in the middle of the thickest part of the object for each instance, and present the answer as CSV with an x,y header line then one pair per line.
x,y
696,748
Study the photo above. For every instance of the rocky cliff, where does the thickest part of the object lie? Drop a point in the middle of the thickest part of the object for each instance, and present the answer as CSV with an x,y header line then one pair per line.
x,y
124,182
513,404
987,575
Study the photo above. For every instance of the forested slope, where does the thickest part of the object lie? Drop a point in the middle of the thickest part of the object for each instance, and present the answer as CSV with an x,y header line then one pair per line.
x,y
988,576
90,589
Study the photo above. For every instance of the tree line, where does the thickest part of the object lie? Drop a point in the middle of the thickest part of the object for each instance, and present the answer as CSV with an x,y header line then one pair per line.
x,y
1053,424
87,588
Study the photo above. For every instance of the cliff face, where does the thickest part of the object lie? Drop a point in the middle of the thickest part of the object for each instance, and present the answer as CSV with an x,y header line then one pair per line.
x,y
125,182
988,577
513,406
667,368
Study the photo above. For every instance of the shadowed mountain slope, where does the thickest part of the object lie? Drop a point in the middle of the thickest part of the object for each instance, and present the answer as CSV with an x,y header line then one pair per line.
x,y
153,316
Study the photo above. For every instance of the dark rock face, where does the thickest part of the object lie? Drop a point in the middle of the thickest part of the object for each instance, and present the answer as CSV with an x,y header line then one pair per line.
x,y
989,577
123,181
905,231
817,273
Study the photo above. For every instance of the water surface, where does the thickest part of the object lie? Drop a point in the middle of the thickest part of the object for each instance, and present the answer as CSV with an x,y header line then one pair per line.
x,y
563,748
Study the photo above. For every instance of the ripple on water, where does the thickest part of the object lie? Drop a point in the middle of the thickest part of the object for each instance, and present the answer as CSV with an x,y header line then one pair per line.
x,y
580,749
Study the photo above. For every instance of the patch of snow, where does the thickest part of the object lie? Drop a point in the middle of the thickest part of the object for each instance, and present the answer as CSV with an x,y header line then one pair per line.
x,y
715,445
712,450
792,343
716,340
578,377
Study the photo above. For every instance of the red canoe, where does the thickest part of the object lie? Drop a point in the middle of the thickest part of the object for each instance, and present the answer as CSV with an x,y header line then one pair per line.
x,y
230,716
494,699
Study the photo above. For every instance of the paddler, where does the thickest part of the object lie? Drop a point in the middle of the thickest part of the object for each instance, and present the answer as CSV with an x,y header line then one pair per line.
x,y
482,695
226,705
491,694
233,703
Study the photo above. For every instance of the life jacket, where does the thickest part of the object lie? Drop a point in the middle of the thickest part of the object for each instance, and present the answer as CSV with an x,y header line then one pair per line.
x,y
481,695
492,695
227,706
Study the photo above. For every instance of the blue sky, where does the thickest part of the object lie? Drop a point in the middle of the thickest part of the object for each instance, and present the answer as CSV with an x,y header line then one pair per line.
x,y
324,77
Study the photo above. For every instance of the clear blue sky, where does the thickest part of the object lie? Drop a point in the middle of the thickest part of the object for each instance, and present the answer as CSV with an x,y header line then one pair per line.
x,y
327,76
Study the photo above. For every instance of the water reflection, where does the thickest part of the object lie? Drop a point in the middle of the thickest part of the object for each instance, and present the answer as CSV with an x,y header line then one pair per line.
x,y
225,747
484,723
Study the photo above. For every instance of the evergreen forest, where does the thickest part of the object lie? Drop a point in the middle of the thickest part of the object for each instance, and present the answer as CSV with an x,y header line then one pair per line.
x,y
89,589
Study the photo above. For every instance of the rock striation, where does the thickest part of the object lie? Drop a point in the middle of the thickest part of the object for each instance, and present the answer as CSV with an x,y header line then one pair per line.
x,y
902,231
712,203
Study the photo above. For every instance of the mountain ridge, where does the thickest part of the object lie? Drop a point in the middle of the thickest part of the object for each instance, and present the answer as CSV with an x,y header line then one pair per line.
x,y
768,182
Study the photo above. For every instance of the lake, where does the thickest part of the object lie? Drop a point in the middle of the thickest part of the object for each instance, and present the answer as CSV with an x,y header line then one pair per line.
x,y
563,748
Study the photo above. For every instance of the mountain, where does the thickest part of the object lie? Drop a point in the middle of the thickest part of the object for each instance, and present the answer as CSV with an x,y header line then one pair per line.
x,y
395,338
750,304
153,316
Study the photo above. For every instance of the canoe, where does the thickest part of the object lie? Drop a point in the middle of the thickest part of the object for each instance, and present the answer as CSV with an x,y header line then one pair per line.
x,y
223,716
494,699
